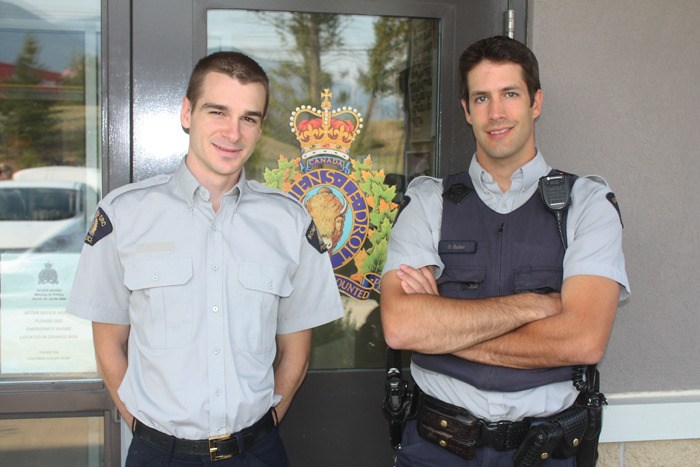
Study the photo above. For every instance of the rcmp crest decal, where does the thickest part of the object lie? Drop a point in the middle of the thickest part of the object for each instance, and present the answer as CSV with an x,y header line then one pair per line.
x,y
48,275
349,202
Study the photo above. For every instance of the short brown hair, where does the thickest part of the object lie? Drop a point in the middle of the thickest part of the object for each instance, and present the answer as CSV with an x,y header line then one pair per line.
x,y
500,49
234,64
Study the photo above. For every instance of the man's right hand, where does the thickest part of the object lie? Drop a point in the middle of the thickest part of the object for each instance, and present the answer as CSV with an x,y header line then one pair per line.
x,y
417,280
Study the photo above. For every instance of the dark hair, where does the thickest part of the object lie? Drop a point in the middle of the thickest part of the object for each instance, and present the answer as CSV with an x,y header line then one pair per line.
x,y
234,64
500,49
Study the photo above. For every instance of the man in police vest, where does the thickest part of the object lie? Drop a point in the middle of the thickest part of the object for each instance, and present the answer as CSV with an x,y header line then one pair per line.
x,y
499,299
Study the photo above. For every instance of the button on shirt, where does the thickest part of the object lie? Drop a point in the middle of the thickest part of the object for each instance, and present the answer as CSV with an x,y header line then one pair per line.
x,y
594,236
205,294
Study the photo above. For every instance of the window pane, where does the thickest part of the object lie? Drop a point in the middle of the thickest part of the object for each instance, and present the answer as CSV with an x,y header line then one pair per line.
x,y
58,442
352,118
50,181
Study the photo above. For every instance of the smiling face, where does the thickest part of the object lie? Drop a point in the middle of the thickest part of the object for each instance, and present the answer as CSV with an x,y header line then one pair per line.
x,y
501,116
224,126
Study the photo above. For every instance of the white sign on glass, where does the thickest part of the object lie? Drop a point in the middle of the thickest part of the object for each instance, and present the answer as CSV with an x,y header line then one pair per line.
x,y
36,333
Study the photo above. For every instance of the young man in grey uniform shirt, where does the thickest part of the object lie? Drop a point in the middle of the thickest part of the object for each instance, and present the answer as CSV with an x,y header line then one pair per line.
x,y
501,98
203,287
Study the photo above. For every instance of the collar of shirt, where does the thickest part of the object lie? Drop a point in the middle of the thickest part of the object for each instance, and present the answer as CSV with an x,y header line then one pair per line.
x,y
189,186
523,184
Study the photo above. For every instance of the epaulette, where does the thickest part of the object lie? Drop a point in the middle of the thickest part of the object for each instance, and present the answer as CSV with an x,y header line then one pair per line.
x,y
136,186
268,190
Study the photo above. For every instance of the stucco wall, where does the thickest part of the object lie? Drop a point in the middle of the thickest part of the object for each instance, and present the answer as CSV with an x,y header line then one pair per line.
x,y
622,100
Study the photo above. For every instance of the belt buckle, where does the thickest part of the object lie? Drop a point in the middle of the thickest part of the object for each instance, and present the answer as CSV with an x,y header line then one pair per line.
x,y
214,449
494,434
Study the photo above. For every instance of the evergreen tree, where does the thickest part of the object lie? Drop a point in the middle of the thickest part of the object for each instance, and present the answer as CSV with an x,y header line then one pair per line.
x,y
386,60
28,117
301,78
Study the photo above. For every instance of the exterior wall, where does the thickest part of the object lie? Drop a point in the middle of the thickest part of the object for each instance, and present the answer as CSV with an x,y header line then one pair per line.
x,y
621,101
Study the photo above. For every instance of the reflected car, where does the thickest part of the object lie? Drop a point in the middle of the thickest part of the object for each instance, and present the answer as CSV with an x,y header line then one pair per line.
x,y
42,215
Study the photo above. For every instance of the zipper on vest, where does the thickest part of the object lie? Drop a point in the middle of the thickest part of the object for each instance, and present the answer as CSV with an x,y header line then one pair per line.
x,y
499,235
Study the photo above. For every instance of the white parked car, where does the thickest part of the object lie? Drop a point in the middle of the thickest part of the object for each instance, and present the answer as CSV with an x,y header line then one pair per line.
x,y
43,215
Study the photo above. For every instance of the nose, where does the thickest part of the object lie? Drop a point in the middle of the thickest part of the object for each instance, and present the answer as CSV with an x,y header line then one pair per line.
x,y
497,110
232,130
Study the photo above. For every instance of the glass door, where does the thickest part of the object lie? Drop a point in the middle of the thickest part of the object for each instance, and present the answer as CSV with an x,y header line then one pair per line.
x,y
53,407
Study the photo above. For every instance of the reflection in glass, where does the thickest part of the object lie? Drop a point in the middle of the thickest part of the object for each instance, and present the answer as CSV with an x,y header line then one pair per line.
x,y
50,180
373,81
58,442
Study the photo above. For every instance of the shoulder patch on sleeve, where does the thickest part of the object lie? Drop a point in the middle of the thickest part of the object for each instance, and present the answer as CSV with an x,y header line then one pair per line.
x,y
404,202
314,238
101,227
613,200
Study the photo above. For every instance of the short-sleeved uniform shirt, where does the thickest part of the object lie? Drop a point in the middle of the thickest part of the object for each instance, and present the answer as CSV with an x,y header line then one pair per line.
x,y
205,295
594,236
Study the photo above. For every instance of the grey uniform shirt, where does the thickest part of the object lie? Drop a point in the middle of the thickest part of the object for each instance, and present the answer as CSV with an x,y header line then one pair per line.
x,y
594,236
205,294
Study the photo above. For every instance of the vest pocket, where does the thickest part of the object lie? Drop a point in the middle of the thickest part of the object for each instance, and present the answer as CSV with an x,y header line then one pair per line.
x,y
464,282
161,306
537,279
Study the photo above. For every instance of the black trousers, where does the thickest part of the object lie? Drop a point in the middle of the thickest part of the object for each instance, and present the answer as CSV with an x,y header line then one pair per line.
x,y
265,452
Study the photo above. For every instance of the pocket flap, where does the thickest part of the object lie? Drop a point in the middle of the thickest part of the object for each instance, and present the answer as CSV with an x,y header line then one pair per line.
x,y
157,272
475,275
265,278
538,279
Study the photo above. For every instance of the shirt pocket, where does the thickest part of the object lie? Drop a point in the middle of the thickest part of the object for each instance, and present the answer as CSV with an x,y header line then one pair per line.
x,y
464,282
254,319
161,303
538,279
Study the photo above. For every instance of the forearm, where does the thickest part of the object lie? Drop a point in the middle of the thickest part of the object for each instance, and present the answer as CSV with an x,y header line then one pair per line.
x,y
110,343
292,361
577,336
432,324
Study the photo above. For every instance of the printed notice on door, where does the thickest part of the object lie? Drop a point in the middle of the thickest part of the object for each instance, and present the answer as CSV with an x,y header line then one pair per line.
x,y
36,333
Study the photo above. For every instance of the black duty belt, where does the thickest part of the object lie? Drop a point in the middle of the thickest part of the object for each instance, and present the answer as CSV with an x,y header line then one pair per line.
x,y
460,432
218,448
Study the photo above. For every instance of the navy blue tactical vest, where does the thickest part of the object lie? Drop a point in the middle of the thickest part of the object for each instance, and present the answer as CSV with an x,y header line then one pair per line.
x,y
487,254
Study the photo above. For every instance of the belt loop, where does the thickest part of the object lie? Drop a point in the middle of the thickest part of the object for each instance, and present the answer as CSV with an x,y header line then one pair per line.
x,y
241,443
170,450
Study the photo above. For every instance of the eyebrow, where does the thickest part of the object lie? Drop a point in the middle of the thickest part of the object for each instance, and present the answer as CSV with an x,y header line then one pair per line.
x,y
512,87
225,108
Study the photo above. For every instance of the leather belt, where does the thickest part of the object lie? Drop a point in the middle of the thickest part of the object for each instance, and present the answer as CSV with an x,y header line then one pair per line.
x,y
222,447
460,432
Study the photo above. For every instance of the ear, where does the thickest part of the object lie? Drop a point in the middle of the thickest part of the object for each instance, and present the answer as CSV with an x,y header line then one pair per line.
x,y
185,113
537,104
465,106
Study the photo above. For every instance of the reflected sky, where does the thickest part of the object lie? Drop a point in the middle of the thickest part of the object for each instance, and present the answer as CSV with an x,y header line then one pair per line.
x,y
59,10
63,29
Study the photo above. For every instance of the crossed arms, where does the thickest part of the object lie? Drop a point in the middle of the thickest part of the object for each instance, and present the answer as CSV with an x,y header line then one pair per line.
x,y
520,331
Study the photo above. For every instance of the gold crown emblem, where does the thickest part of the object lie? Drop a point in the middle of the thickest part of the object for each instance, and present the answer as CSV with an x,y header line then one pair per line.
x,y
325,131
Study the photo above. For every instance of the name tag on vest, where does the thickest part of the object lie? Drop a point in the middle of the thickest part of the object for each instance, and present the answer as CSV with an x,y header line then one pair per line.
x,y
456,247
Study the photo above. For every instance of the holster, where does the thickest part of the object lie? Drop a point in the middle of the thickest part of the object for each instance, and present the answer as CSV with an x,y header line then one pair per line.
x,y
587,454
397,402
558,436
573,432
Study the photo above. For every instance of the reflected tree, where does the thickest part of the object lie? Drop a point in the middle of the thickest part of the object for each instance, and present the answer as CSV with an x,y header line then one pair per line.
x,y
386,60
27,111
300,79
